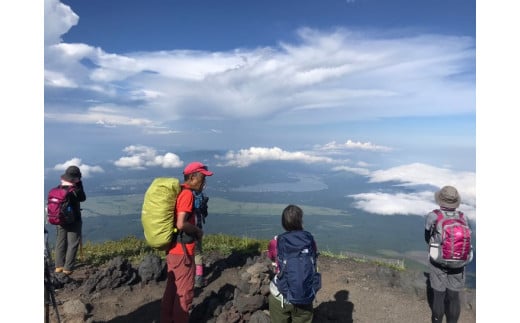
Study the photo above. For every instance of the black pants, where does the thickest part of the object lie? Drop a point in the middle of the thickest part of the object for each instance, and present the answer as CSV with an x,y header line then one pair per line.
x,y
448,303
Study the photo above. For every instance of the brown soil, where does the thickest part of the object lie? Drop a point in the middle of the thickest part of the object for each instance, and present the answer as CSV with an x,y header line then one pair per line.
x,y
353,291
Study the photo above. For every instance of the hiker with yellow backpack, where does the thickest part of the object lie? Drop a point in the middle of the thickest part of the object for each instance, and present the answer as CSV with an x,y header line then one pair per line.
x,y
169,224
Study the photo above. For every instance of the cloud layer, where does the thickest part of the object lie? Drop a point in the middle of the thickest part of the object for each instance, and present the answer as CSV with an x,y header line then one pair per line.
x,y
351,75
418,203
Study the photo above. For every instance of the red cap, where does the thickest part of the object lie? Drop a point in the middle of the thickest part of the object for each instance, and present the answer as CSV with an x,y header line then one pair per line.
x,y
197,167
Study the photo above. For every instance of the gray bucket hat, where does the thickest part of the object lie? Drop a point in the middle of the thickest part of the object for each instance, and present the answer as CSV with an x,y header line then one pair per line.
x,y
448,197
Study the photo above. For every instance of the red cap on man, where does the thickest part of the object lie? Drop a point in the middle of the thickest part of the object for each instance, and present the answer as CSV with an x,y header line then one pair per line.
x,y
197,167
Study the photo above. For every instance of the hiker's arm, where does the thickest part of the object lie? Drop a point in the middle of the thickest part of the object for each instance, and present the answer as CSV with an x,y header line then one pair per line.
x,y
427,236
429,222
79,192
183,225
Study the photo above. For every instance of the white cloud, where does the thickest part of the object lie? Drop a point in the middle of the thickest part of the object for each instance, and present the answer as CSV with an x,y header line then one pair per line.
x,y
108,116
390,204
246,157
363,164
352,145
57,79
156,130
402,204
86,170
417,203
356,170
141,157
421,174
59,18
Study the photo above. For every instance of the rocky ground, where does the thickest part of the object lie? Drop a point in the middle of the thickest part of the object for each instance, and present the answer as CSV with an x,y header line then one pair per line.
x,y
351,292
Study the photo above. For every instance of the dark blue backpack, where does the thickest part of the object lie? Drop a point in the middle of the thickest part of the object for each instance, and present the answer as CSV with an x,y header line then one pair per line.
x,y
298,279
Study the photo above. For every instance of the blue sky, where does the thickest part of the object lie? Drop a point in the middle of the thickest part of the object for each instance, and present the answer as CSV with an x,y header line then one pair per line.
x,y
385,89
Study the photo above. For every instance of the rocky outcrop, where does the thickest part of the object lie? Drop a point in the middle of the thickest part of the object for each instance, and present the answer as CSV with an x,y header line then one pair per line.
x,y
243,301
241,296
247,303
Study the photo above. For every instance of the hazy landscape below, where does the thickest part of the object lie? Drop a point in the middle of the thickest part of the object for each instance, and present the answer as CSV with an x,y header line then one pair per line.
x,y
249,202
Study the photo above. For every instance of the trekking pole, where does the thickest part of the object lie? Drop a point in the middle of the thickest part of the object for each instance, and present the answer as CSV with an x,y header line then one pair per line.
x,y
49,291
81,248
46,302
48,284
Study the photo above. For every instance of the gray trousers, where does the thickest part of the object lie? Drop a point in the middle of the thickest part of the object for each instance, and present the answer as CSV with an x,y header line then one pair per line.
x,y
68,239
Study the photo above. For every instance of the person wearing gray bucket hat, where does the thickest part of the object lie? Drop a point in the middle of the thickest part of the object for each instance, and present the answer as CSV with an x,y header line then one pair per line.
x,y
448,197
445,282
68,236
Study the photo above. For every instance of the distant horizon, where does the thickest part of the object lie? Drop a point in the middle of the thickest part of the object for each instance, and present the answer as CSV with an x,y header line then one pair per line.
x,y
406,189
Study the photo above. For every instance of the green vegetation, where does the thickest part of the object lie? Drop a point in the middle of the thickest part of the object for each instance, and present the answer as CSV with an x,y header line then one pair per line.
x,y
227,244
135,249
395,264
113,205
129,247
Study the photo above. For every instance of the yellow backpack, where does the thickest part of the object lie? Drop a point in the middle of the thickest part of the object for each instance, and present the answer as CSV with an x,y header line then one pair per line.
x,y
157,216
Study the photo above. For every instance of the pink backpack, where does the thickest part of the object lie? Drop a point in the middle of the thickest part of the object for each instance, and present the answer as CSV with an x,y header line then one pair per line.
x,y
455,249
59,211
272,253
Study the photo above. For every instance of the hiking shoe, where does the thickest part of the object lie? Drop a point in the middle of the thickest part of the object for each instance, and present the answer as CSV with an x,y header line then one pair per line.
x,y
58,269
200,281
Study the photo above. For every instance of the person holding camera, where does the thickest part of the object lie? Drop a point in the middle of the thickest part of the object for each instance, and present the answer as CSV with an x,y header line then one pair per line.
x,y
68,236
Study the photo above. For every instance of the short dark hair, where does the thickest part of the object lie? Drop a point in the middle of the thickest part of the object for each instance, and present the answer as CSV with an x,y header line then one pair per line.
x,y
292,218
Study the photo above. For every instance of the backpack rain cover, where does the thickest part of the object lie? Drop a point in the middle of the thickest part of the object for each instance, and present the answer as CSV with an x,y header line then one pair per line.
x,y
157,216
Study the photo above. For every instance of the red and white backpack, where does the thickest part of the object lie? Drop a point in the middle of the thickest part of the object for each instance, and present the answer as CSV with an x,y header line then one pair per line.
x,y
454,249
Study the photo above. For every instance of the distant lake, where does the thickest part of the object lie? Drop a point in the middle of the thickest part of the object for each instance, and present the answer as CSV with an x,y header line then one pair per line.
x,y
302,183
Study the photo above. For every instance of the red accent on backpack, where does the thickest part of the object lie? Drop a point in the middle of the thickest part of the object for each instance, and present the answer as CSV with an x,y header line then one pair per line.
x,y
455,237
59,211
